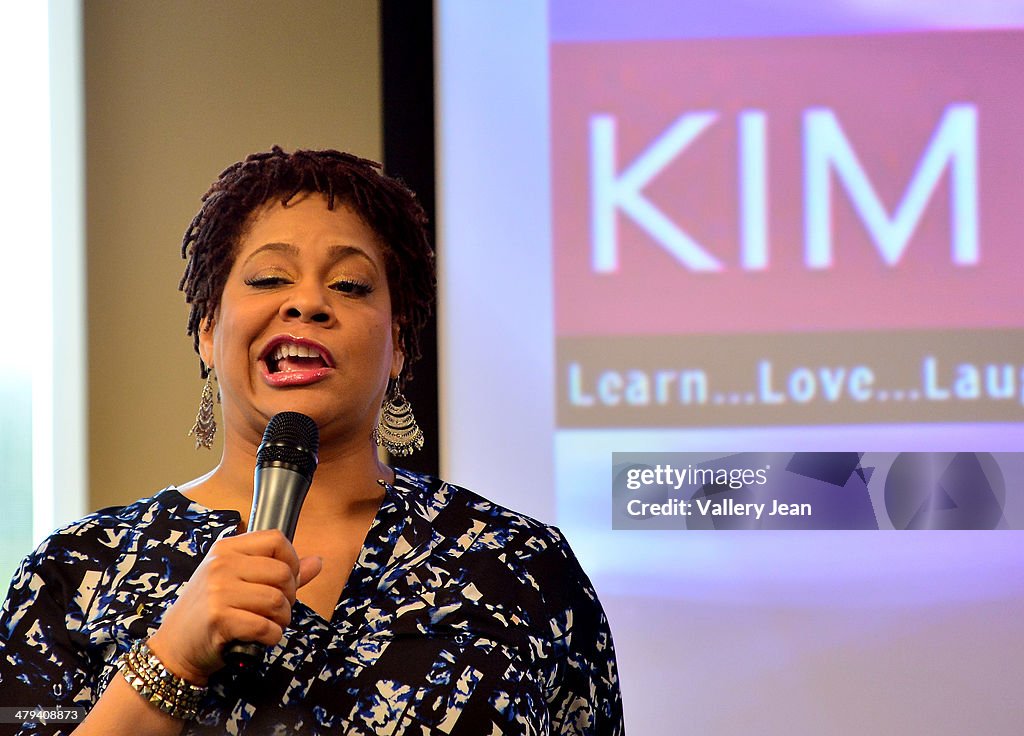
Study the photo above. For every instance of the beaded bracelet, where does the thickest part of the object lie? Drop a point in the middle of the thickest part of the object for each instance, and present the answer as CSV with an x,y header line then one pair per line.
x,y
174,695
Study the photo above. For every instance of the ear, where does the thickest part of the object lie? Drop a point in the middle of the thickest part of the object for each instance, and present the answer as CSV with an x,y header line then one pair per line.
x,y
397,356
206,342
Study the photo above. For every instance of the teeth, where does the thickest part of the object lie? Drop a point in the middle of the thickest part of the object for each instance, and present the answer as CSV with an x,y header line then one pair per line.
x,y
291,350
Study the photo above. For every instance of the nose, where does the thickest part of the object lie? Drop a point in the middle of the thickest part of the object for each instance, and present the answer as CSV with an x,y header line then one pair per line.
x,y
307,304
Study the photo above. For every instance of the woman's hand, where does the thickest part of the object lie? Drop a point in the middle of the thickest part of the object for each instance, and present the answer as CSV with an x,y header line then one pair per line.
x,y
243,590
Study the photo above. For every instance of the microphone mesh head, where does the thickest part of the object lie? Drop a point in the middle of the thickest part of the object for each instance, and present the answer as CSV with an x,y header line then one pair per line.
x,y
291,438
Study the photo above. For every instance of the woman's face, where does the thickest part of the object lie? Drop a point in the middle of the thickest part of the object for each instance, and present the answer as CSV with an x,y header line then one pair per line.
x,y
304,323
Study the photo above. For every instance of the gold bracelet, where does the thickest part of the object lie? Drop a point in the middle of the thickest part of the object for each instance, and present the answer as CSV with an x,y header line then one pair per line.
x,y
174,695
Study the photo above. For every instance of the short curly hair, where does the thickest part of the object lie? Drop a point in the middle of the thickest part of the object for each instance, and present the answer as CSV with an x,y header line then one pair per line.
x,y
385,204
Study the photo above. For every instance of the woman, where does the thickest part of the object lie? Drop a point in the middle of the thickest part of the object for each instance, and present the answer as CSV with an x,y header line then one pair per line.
x,y
404,604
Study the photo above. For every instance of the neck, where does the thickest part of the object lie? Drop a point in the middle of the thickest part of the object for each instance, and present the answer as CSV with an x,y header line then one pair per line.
x,y
346,479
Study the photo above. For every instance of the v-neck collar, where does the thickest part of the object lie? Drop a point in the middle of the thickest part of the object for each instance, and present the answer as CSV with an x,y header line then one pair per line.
x,y
385,541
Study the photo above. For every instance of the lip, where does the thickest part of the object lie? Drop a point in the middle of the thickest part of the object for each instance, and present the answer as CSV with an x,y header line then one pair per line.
x,y
295,378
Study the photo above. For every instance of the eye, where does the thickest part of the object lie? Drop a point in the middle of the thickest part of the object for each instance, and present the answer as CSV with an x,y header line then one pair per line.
x,y
352,287
266,282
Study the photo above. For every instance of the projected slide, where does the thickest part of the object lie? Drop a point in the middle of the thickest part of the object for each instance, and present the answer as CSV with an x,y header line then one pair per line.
x,y
788,230
751,231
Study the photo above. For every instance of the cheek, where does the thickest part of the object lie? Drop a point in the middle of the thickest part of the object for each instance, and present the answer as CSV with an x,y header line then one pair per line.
x,y
380,335
227,336
379,342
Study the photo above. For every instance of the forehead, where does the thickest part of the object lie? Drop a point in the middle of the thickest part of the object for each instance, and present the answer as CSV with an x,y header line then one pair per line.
x,y
306,221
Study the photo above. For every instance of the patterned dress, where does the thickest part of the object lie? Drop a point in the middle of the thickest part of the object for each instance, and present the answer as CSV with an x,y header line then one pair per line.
x,y
459,617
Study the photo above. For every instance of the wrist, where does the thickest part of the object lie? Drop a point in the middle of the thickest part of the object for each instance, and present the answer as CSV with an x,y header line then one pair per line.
x,y
149,677
166,655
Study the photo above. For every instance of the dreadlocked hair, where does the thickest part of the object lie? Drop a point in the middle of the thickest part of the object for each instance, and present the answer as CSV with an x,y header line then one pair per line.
x,y
385,205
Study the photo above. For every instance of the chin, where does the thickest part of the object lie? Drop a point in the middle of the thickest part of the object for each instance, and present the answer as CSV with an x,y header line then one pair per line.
x,y
325,416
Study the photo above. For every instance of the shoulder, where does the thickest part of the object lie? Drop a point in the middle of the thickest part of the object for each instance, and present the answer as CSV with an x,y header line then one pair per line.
x,y
79,552
450,507
113,527
105,529
533,555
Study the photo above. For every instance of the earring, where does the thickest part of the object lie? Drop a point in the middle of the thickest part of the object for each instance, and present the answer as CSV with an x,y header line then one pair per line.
x,y
396,427
206,425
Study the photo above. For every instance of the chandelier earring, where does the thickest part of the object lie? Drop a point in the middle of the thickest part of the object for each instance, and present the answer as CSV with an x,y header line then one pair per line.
x,y
205,428
396,428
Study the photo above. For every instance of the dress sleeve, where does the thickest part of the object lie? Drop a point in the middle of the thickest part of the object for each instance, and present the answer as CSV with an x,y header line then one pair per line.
x,y
583,693
42,662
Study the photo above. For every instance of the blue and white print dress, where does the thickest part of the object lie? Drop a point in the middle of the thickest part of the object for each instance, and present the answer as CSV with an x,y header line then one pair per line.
x,y
460,617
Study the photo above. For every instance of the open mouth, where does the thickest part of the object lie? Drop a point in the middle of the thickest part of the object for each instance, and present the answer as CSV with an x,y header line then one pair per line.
x,y
289,360
289,357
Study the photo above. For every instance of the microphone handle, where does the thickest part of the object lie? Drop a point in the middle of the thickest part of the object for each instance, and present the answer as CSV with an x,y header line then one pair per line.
x,y
278,493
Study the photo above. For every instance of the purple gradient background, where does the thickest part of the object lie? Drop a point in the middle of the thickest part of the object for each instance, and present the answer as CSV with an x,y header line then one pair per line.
x,y
612,20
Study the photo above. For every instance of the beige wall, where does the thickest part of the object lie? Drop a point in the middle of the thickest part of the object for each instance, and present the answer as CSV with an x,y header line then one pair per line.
x,y
176,91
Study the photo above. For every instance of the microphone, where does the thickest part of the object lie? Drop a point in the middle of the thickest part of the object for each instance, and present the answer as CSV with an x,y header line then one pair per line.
x,y
285,462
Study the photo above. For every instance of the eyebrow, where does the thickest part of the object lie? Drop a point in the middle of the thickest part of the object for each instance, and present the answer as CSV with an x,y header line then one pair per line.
x,y
336,252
